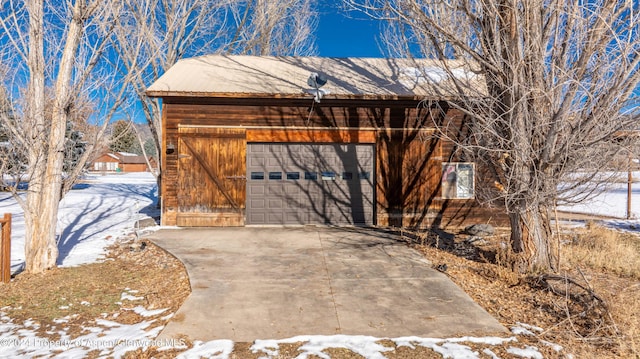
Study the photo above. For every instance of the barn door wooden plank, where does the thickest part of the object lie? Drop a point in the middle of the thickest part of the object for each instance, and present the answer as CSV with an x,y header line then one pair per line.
x,y
212,174
211,177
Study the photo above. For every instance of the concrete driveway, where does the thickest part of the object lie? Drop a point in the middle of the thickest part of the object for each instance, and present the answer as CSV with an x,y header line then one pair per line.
x,y
273,283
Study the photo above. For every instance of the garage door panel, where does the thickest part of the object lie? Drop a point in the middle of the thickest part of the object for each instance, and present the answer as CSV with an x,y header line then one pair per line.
x,y
257,203
275,203
292,189
257,162
276,162
257,147
275,189
275,218
257,217
294,217
300,194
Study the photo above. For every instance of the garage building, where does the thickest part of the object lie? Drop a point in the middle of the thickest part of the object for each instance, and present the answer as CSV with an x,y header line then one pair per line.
x,y
308,140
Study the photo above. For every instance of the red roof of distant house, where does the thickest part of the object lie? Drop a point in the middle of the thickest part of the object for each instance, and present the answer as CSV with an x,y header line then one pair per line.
x,y
130,158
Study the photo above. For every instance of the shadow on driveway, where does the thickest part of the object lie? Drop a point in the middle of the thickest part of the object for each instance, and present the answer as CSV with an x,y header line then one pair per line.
x,y
272,283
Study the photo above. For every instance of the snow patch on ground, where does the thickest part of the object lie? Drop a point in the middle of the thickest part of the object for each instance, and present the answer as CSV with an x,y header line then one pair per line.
x,y
215,349
315,344
527,352
525,329
611,201
113,339
140,310
370,347
127,296
90,217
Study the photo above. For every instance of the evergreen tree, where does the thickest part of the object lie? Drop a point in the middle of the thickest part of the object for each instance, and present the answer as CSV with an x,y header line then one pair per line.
x,y
12,160
123,138
150,148
5,115
74,147
4,134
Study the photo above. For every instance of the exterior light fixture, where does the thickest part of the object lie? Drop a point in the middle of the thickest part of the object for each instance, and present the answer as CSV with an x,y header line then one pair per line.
x,y
315,81
171,148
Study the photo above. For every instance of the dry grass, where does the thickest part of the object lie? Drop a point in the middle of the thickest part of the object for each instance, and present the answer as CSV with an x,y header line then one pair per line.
x,y
614,258
604,249
591,306
87,292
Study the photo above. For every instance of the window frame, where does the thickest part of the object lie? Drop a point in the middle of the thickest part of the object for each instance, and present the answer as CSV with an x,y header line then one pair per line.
x,y
458,190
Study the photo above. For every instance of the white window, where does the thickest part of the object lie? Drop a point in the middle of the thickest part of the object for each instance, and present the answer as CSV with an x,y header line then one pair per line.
x,y
458,180
105,166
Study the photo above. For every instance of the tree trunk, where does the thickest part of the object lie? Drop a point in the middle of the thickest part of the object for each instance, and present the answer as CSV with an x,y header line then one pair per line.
x,y
41,248
532,241
45,184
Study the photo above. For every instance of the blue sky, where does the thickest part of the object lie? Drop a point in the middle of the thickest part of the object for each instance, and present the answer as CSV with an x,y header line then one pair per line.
x,y
341,34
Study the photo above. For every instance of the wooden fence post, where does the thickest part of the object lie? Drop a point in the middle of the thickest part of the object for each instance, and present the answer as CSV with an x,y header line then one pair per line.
x,y
5,249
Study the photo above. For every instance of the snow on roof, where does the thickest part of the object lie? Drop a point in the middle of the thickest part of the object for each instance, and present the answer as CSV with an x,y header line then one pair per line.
x,y
254,76
126,157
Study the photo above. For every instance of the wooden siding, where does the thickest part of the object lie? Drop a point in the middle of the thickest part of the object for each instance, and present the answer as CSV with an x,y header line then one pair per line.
x,y
408,179
134,167
311,135
409,155
460,213
288,113
224,219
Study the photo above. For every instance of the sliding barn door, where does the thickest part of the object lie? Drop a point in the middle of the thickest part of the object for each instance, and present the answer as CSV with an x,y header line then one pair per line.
x,y
211,177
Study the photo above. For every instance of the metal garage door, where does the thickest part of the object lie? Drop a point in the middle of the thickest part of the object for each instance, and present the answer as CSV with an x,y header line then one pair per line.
x,y
310,183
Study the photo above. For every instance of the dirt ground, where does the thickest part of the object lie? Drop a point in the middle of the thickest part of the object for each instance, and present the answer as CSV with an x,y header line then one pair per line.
x,y
591,311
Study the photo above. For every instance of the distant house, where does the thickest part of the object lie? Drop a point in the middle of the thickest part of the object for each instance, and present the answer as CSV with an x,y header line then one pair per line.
x,y
121,162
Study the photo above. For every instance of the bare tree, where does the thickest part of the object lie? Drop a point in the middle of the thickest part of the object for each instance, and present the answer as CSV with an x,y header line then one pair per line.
x,y
555,90
264,27
156,34
58,56
101,48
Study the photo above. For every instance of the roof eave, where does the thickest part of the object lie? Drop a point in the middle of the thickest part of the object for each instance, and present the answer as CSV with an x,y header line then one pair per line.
x,y
236,95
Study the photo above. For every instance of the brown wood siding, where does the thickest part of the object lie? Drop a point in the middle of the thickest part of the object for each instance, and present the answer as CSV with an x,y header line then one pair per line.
x,y
460,213
168,176
190,219
409,158
408,180
134,167
456,129
291,113
312,135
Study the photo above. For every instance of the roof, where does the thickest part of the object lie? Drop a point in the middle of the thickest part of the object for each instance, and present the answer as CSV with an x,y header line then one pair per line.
x,y
125,158
257,76
127,154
